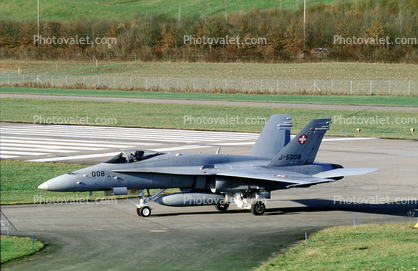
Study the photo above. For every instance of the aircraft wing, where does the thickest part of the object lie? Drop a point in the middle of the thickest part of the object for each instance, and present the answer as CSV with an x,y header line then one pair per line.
x,y
341,172
291,179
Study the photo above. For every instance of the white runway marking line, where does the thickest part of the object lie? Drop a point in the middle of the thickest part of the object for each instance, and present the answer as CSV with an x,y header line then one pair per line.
x,y
87,156
7,156
127,144
24,153
72,128
23,144
156,137
137,136
63,143
34,149
134,133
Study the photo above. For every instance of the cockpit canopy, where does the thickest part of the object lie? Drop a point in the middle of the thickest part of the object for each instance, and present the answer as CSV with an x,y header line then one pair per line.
x,y
131,156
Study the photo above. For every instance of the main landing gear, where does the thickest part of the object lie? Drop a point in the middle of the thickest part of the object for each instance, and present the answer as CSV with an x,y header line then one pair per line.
x,y
242,201
258,208
222,206
143,209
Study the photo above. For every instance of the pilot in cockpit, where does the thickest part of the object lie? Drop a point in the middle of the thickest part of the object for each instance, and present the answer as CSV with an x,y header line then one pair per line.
x,y
138,156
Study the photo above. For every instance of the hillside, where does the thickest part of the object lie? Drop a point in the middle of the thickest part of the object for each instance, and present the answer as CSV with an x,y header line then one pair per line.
x,y
66,10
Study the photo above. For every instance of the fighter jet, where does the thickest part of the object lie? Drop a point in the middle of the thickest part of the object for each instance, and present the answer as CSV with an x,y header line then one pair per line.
x,y
275,162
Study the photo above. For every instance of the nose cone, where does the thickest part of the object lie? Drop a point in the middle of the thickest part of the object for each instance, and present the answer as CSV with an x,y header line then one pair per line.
x,y
43,186
61,183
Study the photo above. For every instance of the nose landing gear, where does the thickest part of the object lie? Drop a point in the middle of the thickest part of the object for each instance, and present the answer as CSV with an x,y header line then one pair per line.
x,y
143,209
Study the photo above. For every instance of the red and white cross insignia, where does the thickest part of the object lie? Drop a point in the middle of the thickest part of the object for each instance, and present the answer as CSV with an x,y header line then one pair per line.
x,y
302,139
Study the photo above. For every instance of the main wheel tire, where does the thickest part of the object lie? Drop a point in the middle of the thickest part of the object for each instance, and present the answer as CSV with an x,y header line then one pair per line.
x,y
258,208
138,211
144,211
221,206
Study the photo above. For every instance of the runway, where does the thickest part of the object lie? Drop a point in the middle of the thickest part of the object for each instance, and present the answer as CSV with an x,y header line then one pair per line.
x,y
110,235
94,144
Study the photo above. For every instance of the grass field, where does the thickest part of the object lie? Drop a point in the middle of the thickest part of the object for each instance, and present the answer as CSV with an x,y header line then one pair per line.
x,y
63,10
361,247
311,99
175,116
319,71
15,247
20,181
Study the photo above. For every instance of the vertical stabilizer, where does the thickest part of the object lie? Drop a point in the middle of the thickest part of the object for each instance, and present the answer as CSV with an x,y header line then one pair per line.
x,y
275,135
304,147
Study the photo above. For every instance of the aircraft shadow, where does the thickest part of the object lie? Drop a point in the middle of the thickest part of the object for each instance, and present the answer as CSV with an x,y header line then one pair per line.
x,y
321,205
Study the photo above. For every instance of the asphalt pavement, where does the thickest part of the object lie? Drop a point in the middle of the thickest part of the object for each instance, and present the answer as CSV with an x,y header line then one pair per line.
x,y
110,235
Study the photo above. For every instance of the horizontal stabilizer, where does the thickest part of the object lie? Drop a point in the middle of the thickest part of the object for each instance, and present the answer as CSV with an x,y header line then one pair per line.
x,y
341,172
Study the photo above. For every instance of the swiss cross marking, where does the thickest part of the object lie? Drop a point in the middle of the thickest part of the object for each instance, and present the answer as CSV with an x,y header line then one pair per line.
x,y
302,139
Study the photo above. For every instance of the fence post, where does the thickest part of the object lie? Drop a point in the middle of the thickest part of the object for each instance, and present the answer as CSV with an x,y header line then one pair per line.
x,y
114,82
130,78
261,89
52,80
160,82
211,85
98,81
295,86
244,85
8,78
332,86
193,85
277,84
225,83
146,82
177,83
23,79
409,88
84,81
66,81
351,87
389,87
371,87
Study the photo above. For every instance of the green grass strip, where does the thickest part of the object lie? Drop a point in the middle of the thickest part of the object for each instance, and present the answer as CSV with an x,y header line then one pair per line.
x,y
361,247
313,99
20,181
384,124
15,247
